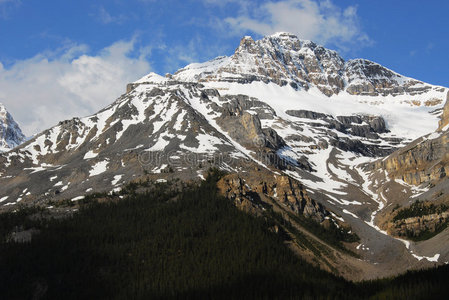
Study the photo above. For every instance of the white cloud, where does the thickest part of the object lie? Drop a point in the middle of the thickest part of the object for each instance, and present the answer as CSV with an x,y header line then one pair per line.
x,y
323,21
50,87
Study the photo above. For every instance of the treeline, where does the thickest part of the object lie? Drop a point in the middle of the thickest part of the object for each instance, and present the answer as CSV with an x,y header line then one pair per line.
x,y
170,244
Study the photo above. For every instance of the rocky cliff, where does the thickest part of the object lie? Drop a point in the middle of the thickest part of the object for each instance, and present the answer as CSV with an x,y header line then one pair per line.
x,y
287,191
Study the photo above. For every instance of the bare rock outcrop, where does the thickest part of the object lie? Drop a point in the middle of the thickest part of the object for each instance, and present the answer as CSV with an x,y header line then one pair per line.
x,y
415,226
285,190
423,161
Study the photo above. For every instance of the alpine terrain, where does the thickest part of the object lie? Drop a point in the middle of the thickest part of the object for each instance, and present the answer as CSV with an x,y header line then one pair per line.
x,y
348,158
10,133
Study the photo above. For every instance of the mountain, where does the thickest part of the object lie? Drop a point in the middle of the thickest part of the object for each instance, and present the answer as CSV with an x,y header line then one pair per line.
x,y
298,129
10,133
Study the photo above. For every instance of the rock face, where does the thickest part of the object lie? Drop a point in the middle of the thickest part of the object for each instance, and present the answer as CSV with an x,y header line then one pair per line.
x,y
291,193
445,116
417,225
247,130
287,191
10,133
424,161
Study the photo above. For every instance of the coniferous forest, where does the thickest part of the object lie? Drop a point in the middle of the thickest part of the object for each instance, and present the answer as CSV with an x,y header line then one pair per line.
x,y
171,244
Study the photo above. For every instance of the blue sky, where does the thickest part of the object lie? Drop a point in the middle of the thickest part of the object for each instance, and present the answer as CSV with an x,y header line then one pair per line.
x,y
60,59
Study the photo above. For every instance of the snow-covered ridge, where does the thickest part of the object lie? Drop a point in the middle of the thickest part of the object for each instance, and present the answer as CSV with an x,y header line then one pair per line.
x,y
10,133
284,59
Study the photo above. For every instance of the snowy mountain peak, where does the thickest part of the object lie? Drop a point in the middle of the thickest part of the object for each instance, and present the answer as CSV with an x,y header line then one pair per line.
x,y
284,59
10,133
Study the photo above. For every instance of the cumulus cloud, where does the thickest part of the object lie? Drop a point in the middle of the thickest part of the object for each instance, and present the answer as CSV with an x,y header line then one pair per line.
x,y
323,21
50,87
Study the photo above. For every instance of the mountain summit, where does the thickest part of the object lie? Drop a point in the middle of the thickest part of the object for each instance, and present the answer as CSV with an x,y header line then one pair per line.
x,y
10,133
295,126
284,59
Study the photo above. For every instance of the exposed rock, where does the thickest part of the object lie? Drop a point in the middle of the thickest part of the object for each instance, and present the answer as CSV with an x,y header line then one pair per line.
x,y
357,146
307,114
292,193
246,129
424,160
236,105
445,116
417,225
284,189
364,126
235,189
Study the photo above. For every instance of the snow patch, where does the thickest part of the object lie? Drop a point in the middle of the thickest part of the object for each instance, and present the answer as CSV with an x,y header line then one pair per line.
x,y
116,179
98,168
350,213
90,155
431,259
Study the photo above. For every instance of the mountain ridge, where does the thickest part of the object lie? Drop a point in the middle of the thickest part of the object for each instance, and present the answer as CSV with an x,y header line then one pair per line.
x,y
302,64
